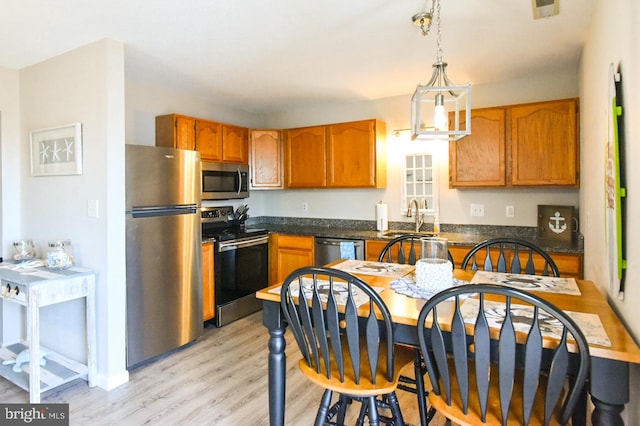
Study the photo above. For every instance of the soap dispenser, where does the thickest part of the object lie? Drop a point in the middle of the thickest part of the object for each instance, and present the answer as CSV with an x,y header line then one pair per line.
x,y
436,225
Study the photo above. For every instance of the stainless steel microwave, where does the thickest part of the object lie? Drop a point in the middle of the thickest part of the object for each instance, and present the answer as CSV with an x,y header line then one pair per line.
x,y
223,181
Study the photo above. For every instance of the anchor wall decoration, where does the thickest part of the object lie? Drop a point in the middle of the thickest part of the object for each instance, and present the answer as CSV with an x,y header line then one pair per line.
x,y
558,228
557,222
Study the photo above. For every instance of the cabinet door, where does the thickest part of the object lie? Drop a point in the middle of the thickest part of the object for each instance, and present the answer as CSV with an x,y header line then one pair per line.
x,y
185,133
289,252
544,144
208,293
265,159
175,131
235,144
351,158
209,140
305,156
478,160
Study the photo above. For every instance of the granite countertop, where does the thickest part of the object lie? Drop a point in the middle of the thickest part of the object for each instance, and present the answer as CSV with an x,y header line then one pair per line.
x,y
457,235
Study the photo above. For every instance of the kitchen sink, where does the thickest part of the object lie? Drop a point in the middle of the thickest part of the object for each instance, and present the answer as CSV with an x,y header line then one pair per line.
x,y
400,232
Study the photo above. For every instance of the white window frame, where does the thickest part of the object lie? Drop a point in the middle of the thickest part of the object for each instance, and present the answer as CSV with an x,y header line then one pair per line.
x,y
420,187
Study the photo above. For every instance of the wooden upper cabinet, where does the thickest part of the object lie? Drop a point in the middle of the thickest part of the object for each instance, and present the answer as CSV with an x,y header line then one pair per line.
x,y
519,145
265,159
341,155
215,141
235,144
305,153
209,140
479,159
175,131
355,154
544,144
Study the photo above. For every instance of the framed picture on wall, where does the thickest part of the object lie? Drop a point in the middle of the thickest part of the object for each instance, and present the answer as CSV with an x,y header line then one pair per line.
x,y
57,151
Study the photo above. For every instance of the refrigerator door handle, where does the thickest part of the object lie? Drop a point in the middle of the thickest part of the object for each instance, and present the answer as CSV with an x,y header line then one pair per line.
x,y
164,211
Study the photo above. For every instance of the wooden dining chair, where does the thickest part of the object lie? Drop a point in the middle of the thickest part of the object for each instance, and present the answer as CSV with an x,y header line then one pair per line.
x,y
510,255
343,352
490,363
404,249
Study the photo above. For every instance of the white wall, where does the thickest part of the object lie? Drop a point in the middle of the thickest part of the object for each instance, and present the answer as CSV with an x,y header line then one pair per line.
x,y
396,111
85,85
10,163
144,102
612,39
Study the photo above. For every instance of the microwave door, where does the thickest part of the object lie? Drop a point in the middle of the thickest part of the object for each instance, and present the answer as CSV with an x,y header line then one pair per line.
x,y
222,181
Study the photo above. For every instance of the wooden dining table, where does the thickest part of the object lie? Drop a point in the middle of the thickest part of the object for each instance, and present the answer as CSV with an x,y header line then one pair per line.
x,y
609,376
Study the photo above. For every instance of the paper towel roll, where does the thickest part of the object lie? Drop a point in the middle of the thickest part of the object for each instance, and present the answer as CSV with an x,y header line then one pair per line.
x,y
381,216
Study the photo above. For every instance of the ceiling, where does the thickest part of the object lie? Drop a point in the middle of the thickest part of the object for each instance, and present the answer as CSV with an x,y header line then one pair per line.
x,y
264,56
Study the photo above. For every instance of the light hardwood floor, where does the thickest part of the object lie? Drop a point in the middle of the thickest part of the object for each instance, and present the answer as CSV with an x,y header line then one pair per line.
x,y
221,379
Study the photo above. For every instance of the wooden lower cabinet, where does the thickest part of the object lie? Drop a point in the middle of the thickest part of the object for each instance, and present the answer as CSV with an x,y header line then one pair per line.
x,y
288,253
569,264
208,293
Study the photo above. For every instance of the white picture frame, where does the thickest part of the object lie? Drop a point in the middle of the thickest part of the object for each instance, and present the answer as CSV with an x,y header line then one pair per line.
x,y
57,150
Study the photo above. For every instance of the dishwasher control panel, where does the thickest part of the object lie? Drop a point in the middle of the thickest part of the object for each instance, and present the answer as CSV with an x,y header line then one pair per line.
x,y
14,292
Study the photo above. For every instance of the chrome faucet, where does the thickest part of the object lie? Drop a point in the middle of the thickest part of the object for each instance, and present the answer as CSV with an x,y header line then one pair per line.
x,y
419,217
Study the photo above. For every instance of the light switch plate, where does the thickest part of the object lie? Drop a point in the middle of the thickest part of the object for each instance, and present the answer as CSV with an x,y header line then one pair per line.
x,y
92,208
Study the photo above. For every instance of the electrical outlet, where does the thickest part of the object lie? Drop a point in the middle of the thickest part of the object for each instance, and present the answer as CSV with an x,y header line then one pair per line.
x,y
305,207
509,211
477,210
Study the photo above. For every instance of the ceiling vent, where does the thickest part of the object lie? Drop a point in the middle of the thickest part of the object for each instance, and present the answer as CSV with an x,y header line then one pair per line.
x,y
545,8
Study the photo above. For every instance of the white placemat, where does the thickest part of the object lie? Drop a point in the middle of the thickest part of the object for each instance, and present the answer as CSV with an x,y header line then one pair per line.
x,y
340,291
393,270
559,285
521,315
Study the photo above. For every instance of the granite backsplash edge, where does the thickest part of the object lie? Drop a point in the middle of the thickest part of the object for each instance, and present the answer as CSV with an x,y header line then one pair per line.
x,y
481,231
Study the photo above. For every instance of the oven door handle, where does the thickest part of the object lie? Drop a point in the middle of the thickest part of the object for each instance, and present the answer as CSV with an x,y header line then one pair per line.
x,y
234,245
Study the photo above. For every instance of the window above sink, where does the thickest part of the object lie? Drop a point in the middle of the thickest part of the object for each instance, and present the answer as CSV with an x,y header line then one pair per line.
x,y
420,182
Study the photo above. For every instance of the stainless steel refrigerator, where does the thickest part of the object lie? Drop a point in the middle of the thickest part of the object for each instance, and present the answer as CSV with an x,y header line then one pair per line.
x,y
164,261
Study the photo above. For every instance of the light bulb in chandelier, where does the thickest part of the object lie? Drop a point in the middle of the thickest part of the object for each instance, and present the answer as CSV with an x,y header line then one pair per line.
x,y
440,119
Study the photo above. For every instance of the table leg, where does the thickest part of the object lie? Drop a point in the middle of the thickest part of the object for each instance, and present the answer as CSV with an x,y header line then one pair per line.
x,y
91,331
272,319
609,388
606,414
33,338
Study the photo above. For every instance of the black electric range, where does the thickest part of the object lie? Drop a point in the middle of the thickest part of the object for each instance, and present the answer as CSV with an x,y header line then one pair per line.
x,y
221,224
241,259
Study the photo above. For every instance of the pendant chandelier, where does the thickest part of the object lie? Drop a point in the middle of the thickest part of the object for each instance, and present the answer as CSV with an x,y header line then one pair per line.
x,y
440,109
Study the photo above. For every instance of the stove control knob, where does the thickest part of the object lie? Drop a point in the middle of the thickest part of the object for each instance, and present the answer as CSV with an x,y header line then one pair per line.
x,y
6,290
16,290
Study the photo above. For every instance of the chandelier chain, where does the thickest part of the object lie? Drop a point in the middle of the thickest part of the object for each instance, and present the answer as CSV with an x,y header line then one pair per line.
x,y
439,33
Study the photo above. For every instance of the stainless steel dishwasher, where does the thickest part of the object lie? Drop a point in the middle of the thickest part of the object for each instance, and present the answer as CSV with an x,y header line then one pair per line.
x,y
328,249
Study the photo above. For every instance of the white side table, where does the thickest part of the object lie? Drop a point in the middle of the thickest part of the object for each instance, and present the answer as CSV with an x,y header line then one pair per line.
x,y
35,288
